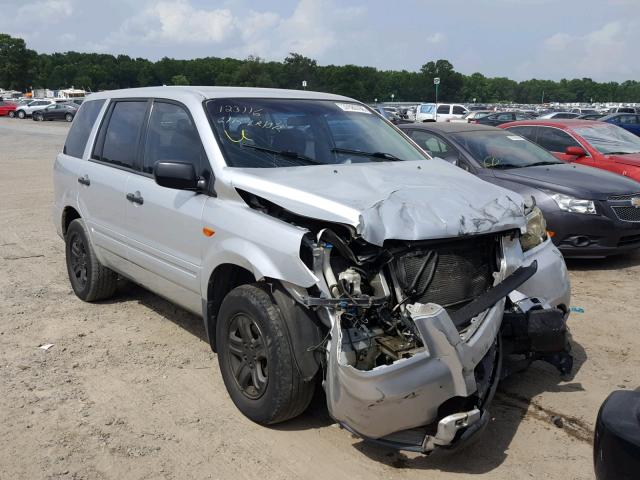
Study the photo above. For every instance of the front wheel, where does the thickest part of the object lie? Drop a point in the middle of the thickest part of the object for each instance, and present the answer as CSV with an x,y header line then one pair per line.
x,y
89,279
68,117
256,358
21,114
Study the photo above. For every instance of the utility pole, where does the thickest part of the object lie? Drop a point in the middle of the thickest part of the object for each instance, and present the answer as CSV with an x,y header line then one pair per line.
x,y
436,82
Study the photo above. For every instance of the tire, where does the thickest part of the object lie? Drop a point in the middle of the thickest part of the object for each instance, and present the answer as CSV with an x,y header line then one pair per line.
x,y
89,279
12,114
36,117
273,389
21,114
68,117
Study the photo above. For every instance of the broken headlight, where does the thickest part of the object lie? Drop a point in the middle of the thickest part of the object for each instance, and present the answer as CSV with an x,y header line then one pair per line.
x,y
573,205
536,230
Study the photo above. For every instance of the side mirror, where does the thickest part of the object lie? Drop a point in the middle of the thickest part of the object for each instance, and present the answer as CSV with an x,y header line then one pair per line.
x,y
576,152
177,175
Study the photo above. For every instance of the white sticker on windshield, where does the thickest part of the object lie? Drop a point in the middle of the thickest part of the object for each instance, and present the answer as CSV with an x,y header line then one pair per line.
x,y
353,107
514,137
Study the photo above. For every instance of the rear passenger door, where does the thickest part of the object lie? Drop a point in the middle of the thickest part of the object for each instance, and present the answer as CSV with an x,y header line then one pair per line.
x,y
114,157
443,112
164,224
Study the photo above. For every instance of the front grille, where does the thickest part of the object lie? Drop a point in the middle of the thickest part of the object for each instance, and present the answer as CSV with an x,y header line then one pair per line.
x,y
627,214
464,271
629,196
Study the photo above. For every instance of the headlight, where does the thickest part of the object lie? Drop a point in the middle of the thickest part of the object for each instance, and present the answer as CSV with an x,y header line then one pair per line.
x,y
574,205
536,230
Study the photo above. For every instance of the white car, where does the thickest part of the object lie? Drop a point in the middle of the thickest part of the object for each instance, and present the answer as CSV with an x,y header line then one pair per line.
x,y
317,242
471,116
24,111
441,112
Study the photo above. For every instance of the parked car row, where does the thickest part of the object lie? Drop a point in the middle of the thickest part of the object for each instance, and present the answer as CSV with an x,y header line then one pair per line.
x,y
589,212
41,109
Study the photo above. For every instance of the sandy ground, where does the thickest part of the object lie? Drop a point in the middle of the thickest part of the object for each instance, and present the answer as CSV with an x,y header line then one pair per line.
x,y
131,390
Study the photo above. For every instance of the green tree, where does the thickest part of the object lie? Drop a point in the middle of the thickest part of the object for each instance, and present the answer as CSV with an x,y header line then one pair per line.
x,y
15,63
179,80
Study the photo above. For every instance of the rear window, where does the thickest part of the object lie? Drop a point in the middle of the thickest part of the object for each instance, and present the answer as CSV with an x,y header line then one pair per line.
x,y
81,128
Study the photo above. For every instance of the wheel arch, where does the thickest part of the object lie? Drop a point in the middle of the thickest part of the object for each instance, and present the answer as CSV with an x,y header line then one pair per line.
x,y
69,214
224,278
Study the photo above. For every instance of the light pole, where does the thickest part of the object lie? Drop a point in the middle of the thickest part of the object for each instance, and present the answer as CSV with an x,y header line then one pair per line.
x,y
436,82
392,96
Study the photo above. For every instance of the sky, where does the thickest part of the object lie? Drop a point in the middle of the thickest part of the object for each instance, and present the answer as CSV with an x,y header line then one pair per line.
x,y
519,39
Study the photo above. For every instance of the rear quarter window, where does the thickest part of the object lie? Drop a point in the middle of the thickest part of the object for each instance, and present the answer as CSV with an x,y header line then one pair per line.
x,y
81,128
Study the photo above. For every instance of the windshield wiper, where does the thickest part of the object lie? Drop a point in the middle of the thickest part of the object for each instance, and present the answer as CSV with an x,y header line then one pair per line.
x,y
286,154
621,153
539,164
503,166
381,155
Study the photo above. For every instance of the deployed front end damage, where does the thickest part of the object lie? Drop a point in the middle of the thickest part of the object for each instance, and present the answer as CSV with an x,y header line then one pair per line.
x,y
414,351
412,294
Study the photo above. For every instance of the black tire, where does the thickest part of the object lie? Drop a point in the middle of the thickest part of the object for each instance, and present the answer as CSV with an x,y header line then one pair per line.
x,y
21,114
68,117
266,351
89,279
36,117
12,114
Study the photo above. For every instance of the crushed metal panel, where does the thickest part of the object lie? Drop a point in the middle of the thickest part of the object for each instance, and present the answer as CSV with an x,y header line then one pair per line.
x,y
411,200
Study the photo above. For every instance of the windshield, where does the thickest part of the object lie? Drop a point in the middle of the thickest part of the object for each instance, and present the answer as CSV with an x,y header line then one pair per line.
x,y
268,133
608,139
502,150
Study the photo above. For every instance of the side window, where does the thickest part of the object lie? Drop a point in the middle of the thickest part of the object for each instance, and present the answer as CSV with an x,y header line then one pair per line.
x,y
444,109
504,117
431,143
627,119
81,128
120,138
172,136
521,116
458,110
526,132
555,140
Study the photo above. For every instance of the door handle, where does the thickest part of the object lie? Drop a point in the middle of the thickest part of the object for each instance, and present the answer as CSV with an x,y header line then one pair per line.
x,y
84,180
135,198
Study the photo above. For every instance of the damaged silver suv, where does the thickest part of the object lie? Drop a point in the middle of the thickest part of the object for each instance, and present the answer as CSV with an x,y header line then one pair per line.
x,y
317,242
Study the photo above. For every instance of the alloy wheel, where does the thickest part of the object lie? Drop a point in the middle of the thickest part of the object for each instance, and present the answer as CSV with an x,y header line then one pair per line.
x,y
247,356
79,261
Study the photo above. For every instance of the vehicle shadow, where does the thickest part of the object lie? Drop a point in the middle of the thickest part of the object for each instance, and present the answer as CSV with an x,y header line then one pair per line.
x,y
489,450
129,291
616,262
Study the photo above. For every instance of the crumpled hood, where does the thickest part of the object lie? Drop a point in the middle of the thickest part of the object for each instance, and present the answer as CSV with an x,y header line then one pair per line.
x,y
411,200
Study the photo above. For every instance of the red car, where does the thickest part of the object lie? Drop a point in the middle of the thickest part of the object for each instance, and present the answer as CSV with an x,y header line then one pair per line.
x,y
588,142
6,107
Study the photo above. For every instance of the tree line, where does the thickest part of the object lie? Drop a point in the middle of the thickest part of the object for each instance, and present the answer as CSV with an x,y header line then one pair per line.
x,y
24,69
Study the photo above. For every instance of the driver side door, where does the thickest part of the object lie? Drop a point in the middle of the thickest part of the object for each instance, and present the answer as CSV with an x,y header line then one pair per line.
x,y
164,225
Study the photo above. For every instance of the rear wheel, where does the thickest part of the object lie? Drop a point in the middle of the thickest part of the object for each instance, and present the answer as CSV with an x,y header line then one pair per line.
x,y
256,359
89,279
12,114
68,117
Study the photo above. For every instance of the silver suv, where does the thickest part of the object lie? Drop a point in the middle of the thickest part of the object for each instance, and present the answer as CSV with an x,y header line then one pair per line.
x,y
317,242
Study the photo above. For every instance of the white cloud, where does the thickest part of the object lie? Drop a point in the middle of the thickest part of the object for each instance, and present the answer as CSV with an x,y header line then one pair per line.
x,y
45,11
435,38
178,22
601,54
313,28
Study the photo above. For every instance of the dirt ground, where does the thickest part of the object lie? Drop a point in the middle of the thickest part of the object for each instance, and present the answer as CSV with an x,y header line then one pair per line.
x,y
131,390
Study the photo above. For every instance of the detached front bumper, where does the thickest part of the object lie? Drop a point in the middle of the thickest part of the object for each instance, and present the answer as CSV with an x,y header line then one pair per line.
x,y
408,404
